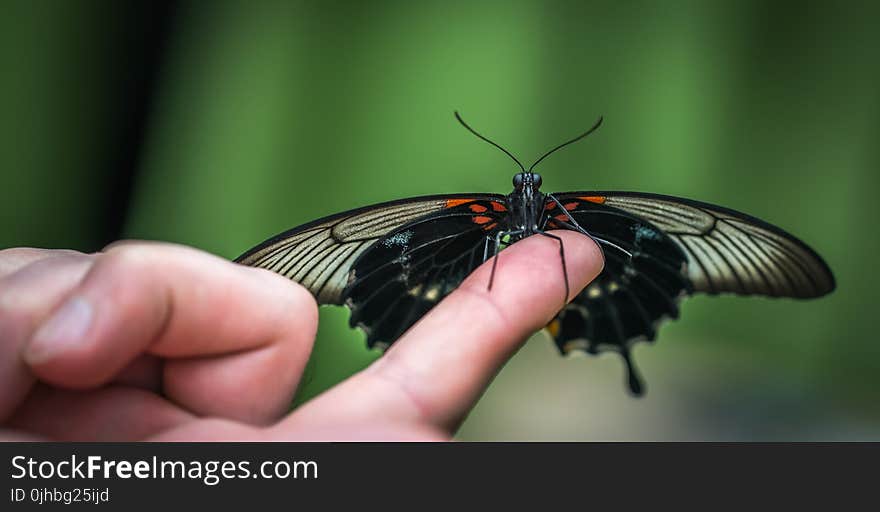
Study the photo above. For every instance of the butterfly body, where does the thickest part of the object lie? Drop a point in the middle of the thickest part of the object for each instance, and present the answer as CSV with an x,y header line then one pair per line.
x,y
526,204
391,263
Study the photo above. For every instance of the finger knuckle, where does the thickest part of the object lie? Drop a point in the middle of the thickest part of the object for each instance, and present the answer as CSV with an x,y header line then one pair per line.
x,y
128,258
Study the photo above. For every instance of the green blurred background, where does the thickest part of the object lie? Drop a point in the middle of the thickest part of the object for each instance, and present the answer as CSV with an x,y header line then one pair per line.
x,y
218,124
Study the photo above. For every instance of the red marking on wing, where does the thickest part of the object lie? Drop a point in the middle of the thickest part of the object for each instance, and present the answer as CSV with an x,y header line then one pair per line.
x,y
480,219
490,227
593,199
550,205
478,208
561,217
570,206
498,207
452,203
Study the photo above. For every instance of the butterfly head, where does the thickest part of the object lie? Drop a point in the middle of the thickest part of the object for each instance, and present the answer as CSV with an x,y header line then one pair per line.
x,y
526,180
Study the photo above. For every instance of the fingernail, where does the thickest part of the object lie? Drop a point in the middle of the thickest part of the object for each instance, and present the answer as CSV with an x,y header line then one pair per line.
x,y
64,329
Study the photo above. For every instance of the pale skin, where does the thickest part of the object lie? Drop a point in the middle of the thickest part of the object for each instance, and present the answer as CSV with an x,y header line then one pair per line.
x,y
153,341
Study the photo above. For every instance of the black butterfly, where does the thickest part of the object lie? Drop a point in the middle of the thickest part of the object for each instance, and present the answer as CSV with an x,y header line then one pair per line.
x,y
391,263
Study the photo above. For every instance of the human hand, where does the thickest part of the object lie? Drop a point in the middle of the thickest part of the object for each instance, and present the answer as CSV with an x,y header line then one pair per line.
x,y
152,341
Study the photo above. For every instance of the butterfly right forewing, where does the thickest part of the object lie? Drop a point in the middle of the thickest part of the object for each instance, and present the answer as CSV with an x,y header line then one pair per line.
x,y
319,255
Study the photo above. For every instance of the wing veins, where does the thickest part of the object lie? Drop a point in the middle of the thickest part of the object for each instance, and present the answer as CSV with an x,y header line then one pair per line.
x,y
330,269
746,253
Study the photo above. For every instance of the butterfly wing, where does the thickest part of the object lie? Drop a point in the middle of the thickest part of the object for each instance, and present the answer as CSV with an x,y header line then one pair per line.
x,y
729,251
409,270
678,247
319,254
391,262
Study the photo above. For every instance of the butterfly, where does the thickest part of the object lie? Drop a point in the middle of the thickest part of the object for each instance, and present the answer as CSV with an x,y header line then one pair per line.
x,y
390,263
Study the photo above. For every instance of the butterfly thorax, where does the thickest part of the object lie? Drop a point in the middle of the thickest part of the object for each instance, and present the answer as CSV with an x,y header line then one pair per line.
x,y
526,204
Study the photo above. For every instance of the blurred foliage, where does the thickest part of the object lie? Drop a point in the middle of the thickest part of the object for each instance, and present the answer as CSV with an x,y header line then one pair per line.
x,y
270,114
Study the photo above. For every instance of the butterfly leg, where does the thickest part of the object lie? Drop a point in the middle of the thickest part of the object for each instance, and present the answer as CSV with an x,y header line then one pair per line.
x,y
498,236
600,241
562,258
577,227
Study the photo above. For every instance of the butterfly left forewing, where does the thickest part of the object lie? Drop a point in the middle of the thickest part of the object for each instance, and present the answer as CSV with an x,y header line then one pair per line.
x,y
727,251
730,251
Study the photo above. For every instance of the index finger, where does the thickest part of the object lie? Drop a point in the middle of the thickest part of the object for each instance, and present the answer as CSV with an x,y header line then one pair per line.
x,y
441,366
233,339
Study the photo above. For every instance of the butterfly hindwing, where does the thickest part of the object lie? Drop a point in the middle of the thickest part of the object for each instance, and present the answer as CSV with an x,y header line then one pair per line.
x,y
632,295
678,247
409,270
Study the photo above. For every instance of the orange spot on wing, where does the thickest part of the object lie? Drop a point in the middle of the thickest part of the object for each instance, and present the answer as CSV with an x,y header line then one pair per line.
x,y
452,203
571,206
550,205
478,208
480,219
490,227
498,207
593,199
553,327
561,217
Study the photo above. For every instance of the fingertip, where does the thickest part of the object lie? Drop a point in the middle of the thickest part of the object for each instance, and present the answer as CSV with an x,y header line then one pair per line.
x,y
290,311
530,273
293,296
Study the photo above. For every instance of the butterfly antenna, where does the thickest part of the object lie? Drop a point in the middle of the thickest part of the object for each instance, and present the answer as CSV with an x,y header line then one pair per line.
x,y
506,152
579,137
